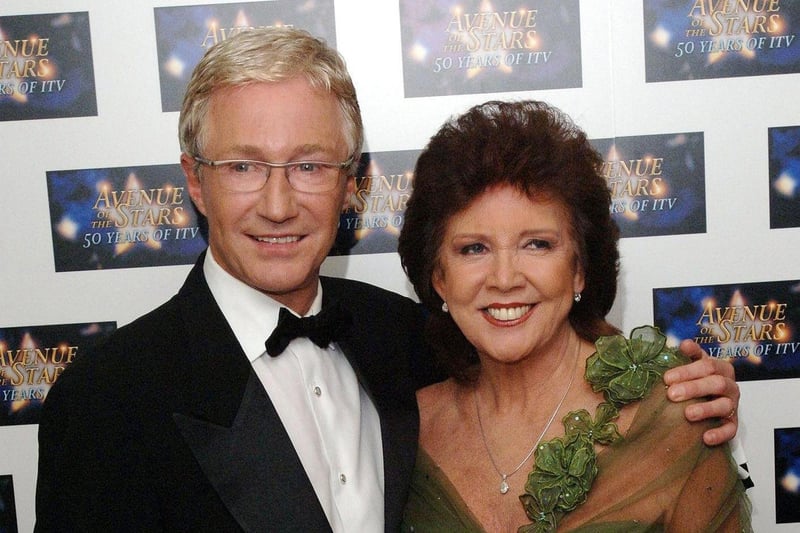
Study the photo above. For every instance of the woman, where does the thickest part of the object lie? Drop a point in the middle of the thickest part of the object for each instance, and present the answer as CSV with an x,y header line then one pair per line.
x,y
509,241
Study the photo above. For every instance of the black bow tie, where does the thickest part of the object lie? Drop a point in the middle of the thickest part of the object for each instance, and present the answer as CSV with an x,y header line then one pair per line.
x,y
331,324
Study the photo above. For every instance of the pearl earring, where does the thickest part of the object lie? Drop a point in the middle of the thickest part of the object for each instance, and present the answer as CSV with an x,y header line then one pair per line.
x,y
577,297
445,309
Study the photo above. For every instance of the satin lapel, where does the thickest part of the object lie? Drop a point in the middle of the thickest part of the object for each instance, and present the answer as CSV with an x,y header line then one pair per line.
x,y
350,345
253,467
373,358
233,430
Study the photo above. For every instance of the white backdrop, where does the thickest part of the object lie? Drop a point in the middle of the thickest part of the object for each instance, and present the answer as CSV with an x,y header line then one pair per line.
x,y
130,129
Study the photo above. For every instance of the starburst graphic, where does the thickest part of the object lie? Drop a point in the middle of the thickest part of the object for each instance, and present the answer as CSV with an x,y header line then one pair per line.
x,y
33,358
741,327
753,325
702,40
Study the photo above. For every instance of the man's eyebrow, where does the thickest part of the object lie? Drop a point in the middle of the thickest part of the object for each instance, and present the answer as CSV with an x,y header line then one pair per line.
x,y
249,151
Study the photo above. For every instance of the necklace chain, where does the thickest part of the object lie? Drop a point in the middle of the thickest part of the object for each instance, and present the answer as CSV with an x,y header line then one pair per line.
x,y
504,477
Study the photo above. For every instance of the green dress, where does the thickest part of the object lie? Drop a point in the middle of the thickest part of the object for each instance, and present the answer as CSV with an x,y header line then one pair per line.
x,y
660,477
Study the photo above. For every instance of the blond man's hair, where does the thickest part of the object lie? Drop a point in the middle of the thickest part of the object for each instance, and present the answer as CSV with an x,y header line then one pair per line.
x,y
271,54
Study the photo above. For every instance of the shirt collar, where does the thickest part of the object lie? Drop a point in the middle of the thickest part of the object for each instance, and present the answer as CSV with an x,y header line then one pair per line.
x,y
251,314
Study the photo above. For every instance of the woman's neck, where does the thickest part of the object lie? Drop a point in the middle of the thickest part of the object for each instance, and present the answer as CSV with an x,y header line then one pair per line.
x,y
531,384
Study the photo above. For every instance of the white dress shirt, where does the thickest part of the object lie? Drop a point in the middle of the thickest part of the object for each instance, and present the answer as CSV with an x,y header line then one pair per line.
x,y
331,421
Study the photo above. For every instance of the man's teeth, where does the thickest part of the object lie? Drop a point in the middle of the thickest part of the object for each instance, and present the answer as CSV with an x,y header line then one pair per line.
x,y
278,240
508,313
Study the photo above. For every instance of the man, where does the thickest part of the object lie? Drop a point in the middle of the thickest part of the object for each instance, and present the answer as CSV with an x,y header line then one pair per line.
x,y
182,421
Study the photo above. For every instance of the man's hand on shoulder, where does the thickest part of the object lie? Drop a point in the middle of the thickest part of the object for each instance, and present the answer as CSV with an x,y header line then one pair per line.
x,y
710,378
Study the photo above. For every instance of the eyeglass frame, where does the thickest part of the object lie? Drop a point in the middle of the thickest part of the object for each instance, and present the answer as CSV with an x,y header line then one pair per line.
x,y
220,162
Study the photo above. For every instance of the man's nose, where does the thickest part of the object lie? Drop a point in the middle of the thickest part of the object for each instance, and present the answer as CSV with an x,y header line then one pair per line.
x,y
278,198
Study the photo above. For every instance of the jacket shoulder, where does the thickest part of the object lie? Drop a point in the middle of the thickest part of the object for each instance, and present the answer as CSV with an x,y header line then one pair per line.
x,y
360,294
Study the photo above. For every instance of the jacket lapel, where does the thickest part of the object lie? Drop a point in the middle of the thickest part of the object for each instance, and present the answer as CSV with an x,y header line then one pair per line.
x,y
378,365
253,467
233,430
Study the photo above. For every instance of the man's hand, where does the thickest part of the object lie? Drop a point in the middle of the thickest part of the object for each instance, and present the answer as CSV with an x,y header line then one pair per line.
x,y
706,376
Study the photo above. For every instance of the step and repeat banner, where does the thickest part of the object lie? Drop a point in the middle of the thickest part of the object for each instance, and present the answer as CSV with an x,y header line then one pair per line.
x,y
692,103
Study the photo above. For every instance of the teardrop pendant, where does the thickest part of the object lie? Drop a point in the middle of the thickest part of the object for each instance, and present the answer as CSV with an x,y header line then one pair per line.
x,y
503,486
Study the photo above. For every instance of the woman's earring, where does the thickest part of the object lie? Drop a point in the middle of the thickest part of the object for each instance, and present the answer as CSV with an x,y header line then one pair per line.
x,y
445,309
577,297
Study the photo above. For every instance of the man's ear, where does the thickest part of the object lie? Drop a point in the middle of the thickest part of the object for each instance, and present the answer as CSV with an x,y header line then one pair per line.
x,y
193,182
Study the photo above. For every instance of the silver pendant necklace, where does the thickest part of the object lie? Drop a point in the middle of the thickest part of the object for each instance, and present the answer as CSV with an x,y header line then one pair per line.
x,y
504,487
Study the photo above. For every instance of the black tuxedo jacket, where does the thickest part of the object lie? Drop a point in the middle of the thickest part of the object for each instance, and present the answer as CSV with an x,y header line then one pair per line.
x,y
165,427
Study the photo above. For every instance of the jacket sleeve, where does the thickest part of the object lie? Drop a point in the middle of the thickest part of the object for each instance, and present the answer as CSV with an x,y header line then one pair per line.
x,y
88,478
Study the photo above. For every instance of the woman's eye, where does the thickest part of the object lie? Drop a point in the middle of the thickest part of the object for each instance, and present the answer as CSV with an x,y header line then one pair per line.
x,y
539,244
472,249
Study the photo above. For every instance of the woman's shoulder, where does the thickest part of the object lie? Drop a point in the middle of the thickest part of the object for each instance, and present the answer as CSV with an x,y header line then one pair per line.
x,y
439,410
436,398
656,413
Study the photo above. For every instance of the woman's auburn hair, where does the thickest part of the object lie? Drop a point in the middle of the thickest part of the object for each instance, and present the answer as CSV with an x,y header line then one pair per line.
x,y
537,149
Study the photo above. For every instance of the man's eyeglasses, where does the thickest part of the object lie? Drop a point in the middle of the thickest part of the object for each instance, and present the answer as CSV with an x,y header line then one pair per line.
x,y
244,175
